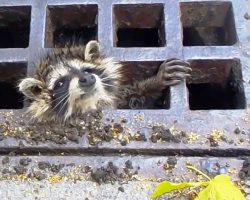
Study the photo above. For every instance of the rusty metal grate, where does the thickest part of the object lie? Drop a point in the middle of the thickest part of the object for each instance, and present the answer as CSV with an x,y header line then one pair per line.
x,y
133,29
208,24
72,21
141,43
212,35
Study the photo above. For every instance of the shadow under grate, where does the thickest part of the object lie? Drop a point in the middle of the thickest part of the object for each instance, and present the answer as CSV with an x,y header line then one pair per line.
x,y
69,24
208,24
10,75
14,26
216,84
133,29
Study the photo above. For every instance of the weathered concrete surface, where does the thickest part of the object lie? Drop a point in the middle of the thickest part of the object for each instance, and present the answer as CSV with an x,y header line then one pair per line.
x,y
135,190
74,180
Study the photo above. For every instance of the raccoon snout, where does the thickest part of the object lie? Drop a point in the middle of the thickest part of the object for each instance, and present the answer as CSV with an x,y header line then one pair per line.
x,y
87,80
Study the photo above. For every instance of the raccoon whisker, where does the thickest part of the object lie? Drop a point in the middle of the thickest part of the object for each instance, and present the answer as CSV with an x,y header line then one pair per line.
x,y
110,85
110,77
106,78
73,90
59,103
63,98
59,92
65,103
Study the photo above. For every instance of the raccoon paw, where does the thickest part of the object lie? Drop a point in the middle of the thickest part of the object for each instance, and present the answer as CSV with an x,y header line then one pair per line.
x,y
173,71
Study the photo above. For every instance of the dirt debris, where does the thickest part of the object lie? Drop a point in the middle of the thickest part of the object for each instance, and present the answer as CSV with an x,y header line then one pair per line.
x,y
121,189
44,165
161,133
139,136
237,130
247,16
29,169
107,174
39,175
112,173
5,160
215,136
20,169
170,164
244,173
35,133
128,164
24,161
99,132
56,168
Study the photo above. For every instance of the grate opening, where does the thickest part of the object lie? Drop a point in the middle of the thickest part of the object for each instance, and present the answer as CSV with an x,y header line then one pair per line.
x,y
144,70
70,24
10,74
133,29
14,26
208,24
216,84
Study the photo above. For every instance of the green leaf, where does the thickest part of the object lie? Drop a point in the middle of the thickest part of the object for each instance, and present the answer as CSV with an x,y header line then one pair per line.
x,y
166,187
221,188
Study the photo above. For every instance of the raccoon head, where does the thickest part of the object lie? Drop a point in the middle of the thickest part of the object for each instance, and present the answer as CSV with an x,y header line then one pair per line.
x,y
70,82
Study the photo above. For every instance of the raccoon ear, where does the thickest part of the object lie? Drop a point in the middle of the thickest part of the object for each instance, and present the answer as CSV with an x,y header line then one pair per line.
x,y
92,50
31,88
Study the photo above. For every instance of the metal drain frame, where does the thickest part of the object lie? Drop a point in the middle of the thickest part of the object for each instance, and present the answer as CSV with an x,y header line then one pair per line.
x,y
179,114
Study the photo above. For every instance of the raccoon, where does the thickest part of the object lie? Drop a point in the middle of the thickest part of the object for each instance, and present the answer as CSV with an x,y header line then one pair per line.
x,y
72,81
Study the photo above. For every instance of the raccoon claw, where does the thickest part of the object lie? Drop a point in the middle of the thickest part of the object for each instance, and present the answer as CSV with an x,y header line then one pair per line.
x,y
173,71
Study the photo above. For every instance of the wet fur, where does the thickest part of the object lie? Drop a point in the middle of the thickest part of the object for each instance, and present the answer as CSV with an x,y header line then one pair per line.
x,y
41,107
109,87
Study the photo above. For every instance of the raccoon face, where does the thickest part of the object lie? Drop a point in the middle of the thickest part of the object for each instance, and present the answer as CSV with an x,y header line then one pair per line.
x,y
73,85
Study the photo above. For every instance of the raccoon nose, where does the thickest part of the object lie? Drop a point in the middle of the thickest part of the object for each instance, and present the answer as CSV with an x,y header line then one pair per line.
x,y
87,80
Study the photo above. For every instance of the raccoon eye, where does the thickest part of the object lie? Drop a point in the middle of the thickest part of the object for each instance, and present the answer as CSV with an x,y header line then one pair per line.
x,y
59,84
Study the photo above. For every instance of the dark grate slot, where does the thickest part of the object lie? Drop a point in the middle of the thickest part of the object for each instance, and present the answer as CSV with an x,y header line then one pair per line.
x,y
14,26
10,75
70,24
208,24
133,29
67,35
143,71
216,84
137,37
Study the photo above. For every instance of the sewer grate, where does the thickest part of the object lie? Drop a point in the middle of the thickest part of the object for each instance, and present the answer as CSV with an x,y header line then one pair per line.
x,y
208,114
216,84
72,21
15,26
132,29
